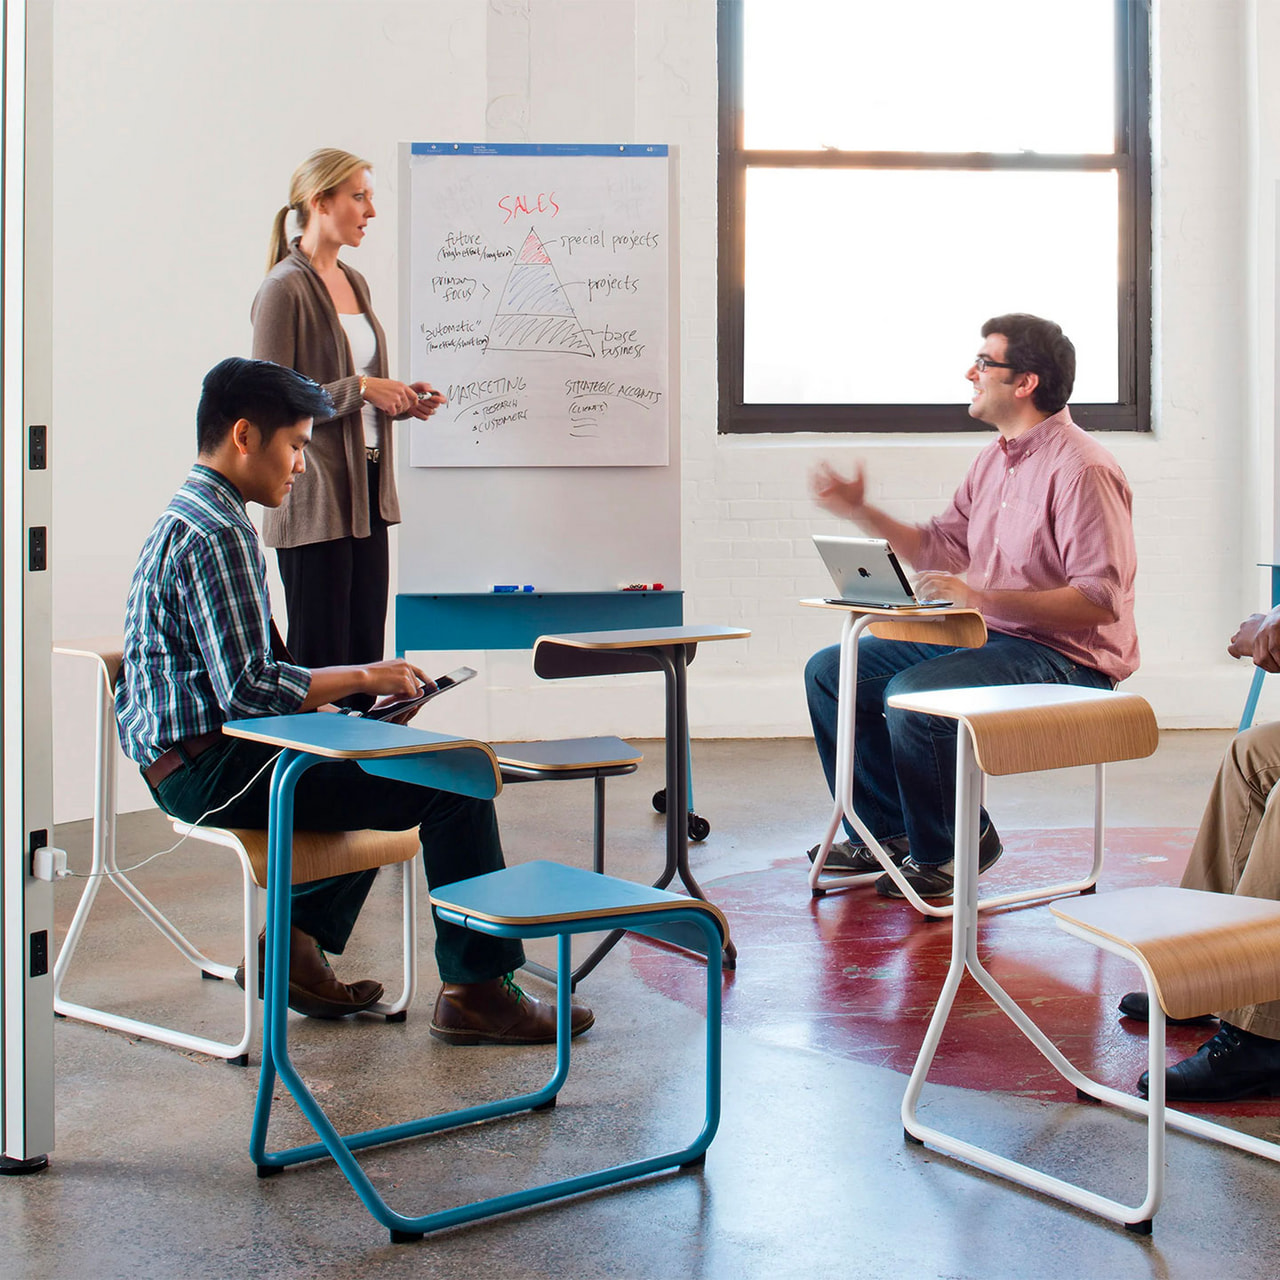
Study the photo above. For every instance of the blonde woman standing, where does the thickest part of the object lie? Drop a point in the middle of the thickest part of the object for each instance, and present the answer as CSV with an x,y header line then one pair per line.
x,y
313,314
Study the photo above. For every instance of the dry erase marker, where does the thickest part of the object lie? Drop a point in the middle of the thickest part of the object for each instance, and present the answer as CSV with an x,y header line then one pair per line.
x,y
502,590
640,586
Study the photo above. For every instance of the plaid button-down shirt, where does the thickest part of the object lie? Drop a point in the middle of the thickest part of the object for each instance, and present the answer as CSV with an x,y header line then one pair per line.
x,y
1049,509
197,646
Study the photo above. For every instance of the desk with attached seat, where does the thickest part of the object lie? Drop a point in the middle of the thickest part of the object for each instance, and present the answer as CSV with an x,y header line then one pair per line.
x,y
535,900
665,649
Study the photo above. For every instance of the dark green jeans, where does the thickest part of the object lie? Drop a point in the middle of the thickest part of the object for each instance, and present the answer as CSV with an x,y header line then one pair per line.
x,y
459,839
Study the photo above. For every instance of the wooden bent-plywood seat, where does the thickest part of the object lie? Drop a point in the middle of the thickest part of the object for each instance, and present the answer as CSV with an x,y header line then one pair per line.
x,y
1206,951
1026,728
316,854
965,630
566,758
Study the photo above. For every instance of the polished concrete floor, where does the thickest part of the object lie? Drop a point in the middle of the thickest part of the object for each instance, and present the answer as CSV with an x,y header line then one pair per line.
x,y
809,1175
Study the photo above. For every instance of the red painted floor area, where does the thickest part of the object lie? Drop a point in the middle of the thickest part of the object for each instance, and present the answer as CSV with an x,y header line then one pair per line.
x,y
856,975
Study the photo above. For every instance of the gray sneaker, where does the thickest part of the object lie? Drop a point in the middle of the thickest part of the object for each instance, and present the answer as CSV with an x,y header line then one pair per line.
x,y
857,859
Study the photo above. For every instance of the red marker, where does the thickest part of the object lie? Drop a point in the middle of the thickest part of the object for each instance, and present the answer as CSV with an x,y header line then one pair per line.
x,y
640,586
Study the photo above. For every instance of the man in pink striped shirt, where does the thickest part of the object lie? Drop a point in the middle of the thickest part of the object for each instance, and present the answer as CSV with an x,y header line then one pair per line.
x,y
1039,539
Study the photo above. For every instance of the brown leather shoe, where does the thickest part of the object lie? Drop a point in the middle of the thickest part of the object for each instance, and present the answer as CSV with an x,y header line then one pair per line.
x,y
314,991
500,1012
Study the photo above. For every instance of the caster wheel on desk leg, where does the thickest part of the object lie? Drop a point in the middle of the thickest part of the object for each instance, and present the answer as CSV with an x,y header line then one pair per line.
x,y
660,800
699,827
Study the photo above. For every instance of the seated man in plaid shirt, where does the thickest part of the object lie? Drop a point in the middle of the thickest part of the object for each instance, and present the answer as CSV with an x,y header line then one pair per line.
x,y
198,652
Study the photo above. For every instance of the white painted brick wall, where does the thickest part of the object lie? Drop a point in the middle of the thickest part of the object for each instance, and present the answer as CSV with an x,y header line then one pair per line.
x,y
1201,480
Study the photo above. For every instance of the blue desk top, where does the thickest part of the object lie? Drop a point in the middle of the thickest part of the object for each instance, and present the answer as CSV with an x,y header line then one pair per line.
x,y
547,892
322,733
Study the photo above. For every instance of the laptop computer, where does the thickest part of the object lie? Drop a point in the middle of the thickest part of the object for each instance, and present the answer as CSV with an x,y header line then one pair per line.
x,y
865,571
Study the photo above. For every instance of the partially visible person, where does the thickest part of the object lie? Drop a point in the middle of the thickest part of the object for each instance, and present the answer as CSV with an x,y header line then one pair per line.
x,y
313,313
1237,850
197,652
1039,539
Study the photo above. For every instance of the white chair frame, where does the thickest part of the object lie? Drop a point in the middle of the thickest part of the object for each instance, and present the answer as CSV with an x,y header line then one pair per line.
x,y
104,867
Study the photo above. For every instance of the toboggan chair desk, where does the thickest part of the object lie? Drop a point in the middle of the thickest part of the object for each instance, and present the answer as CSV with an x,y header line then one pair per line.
x,y
1196,951
538,899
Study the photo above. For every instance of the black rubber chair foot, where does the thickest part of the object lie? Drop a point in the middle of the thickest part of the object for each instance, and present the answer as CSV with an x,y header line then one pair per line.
x,y
268,1170
911,1138
240,1060
209,977
697,1162
1142,1228
406,1237
1081,1096
549,1105
398,1017
1093,888
818,893
699,827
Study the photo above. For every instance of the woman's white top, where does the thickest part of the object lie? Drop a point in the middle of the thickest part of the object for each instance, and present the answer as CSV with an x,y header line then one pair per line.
x,y
364,354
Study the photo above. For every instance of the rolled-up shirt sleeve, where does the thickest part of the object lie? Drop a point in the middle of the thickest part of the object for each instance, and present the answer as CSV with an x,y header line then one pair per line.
x,y
1094,521
219,583
944,540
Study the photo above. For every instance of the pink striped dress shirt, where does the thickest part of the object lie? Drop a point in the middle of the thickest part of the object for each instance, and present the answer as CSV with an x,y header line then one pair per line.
x,y
1049,509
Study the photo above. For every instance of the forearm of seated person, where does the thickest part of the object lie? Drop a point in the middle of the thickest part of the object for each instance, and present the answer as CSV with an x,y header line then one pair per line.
x,y
332,684
903,538
1063,607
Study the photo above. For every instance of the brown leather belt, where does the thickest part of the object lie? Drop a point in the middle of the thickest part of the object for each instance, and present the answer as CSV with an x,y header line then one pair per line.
x,y
182,754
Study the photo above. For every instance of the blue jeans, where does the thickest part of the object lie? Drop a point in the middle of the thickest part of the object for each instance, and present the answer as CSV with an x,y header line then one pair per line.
x,y
904,764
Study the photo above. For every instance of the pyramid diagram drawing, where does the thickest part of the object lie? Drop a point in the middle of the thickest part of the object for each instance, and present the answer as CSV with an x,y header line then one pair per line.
x,y
534,314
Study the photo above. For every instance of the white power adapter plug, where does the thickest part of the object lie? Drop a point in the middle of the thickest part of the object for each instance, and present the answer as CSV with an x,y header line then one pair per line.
x,y
49,864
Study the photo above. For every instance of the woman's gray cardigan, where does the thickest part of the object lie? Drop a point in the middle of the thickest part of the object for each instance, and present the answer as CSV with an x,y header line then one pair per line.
x,y
295,323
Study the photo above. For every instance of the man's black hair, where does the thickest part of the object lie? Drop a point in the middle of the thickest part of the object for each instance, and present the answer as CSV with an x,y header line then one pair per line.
x,y
269,395
1040,347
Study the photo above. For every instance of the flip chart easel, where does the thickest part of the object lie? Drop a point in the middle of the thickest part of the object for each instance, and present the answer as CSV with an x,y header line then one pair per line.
x,y
539,293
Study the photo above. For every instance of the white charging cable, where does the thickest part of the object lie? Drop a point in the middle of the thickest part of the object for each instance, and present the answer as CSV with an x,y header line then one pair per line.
x,y
57,867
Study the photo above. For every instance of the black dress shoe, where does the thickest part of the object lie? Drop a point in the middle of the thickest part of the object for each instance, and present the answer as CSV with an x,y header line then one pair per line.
x,y
1135,1005
940,881
857,859
1234,1064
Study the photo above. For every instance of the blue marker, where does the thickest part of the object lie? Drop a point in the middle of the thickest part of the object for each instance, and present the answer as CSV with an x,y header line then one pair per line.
x,y
514,587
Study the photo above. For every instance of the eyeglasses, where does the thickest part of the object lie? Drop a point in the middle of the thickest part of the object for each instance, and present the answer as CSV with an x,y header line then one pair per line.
x,y
983,363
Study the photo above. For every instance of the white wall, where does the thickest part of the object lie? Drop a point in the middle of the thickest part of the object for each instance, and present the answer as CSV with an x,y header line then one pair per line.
x,y
178,123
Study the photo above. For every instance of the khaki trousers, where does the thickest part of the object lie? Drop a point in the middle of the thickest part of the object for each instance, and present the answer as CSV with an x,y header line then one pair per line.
x,y
1237,849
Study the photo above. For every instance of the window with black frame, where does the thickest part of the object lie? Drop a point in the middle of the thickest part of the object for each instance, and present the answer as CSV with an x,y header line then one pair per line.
x,y
891,175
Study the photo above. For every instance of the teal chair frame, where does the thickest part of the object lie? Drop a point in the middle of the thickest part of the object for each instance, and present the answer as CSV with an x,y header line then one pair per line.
x,y
593,902
1259,675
